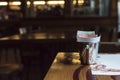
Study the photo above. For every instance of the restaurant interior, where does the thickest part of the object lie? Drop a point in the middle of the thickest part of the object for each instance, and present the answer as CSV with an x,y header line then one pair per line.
x,y
38,37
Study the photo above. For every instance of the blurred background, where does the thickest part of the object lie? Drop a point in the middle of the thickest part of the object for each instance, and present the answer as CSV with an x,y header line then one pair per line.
x,y
61,16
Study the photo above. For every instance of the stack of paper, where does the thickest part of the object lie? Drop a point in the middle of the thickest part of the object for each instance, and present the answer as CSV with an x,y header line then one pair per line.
x,y
107,64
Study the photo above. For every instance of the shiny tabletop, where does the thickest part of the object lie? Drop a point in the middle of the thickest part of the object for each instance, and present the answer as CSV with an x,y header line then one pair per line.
x,y
35,36
67,66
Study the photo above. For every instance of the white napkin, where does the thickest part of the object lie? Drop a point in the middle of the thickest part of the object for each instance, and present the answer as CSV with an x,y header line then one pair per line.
x,y
106,64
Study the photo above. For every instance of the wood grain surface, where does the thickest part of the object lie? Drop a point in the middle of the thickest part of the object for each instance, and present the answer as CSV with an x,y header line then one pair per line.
x,y
73,71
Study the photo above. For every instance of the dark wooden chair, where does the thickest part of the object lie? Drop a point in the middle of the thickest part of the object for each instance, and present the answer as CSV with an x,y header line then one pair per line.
x,y
11,67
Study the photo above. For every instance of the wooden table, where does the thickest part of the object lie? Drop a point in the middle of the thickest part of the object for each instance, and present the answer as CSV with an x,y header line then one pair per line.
x,y
69,68
48,45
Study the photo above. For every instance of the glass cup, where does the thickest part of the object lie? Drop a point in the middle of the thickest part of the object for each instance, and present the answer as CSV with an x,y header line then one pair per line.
x,y
89,54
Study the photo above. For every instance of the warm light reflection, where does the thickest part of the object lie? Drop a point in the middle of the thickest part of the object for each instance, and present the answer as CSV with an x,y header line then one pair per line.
x,y
33,36
80,2
61,56
39,2
3,3
15,3
28,2
55,2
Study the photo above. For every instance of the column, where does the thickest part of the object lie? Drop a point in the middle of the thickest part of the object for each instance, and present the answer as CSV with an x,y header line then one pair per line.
x,y
101,8
92,6
24,9
107,5
8,5
118,35
68,6
32,9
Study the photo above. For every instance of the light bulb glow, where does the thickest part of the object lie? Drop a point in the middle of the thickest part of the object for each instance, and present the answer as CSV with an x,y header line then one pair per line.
x,y
3,3
55,2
